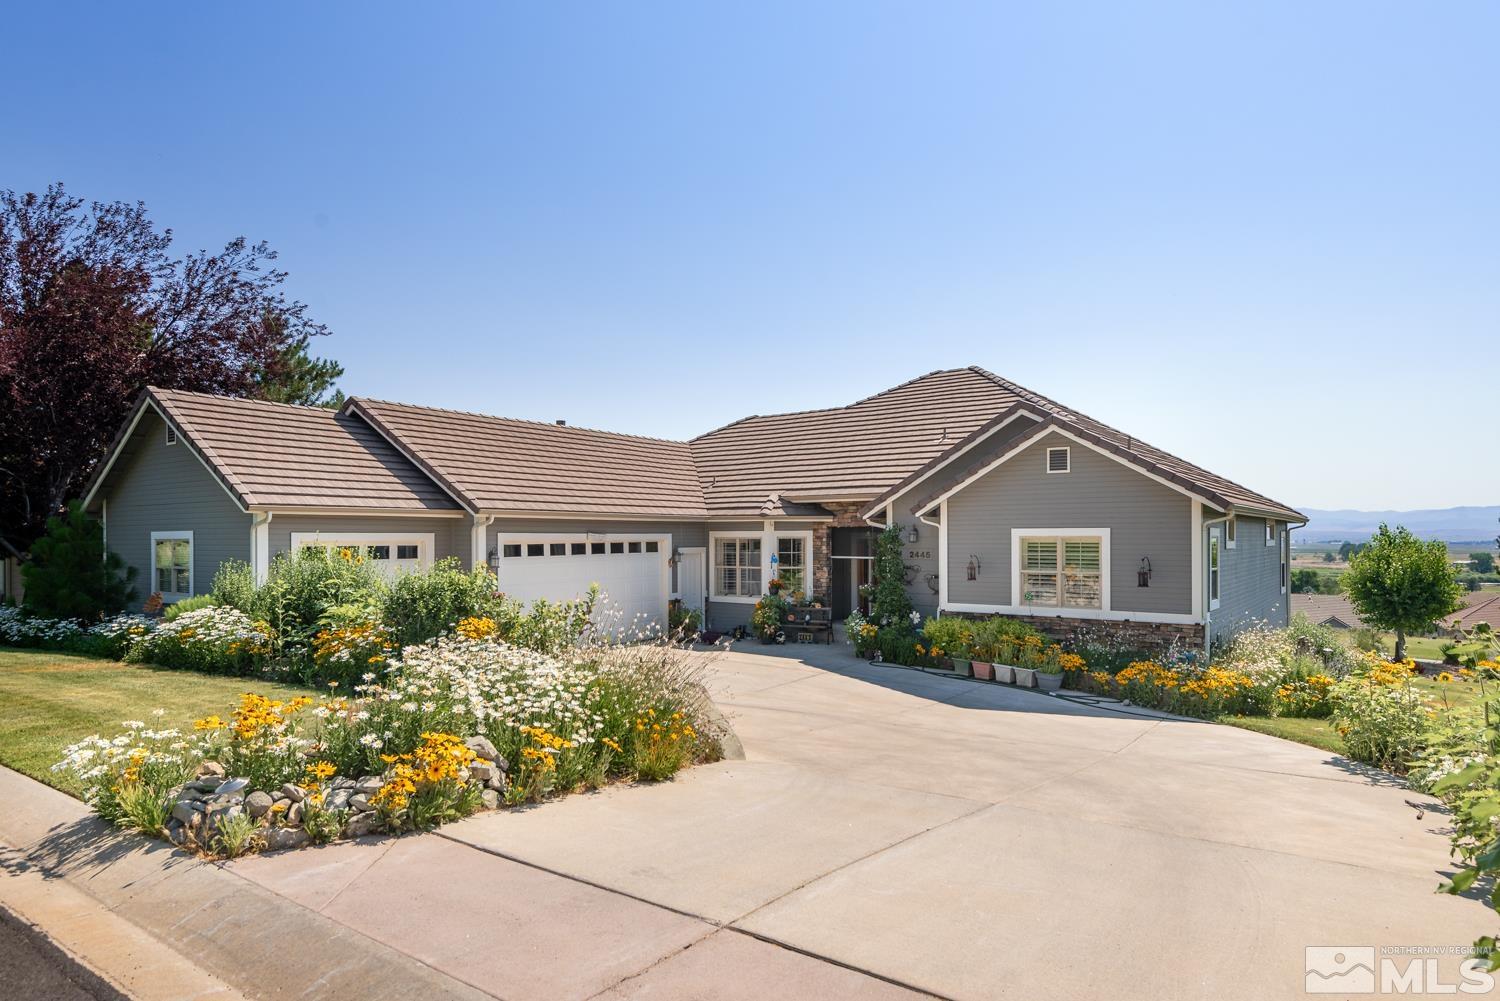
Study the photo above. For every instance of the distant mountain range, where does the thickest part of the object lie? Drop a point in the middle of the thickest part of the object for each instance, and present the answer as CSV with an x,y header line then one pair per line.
x,y
1452,524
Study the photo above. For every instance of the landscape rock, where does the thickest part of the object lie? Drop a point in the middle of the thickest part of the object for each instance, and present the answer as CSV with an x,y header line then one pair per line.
x,y
185,811
294,814
497,782
258,804
343,783
369,785
482,748
279,838
207,783
339,799
491,799
482,771
362,824
359,803
295,793
209,769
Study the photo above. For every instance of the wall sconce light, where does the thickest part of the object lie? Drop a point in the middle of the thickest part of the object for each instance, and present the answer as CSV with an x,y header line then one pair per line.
x,y
493,559
1143,575
912,536
973,567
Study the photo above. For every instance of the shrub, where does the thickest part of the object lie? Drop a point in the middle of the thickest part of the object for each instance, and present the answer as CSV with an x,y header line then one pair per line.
x,y
889,605
234,585
215,640
420,606
550,626
1000,640
769,615
1326,642
71,575
1381,717
301,587
189,605
950,634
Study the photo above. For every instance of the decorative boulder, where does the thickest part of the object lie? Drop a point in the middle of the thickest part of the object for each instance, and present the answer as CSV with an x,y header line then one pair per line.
x,y
295,793
482,748
279,838
362,824
258,804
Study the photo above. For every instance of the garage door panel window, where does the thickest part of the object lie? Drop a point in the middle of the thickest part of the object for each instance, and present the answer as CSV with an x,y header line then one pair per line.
x,y
389,553
737,567
172,563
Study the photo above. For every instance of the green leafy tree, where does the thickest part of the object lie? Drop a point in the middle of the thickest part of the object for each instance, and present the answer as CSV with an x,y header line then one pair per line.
x,y
70,575
1400,583
890,606
1482,562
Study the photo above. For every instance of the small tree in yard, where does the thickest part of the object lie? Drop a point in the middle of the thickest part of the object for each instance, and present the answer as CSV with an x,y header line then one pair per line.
x,y
1400,583
1482,562
70,576
890,606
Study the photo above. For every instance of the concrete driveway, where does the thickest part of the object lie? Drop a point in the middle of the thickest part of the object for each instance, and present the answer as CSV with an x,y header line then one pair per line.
x,y
975,841
889,834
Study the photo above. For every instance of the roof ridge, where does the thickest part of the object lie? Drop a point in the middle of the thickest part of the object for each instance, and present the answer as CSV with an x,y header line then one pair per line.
x,y
829,410
519,420
244,399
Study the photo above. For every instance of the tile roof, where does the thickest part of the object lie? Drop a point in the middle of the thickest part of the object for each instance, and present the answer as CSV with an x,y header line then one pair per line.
x,y
1480,606
502,464
1321,607
279,455
870,447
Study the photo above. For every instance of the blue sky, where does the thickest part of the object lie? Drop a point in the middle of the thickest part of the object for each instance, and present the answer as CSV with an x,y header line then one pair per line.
x,y
1264,238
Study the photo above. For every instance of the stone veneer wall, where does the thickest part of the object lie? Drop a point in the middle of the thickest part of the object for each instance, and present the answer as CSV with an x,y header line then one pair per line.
x,y
1152,637
844,516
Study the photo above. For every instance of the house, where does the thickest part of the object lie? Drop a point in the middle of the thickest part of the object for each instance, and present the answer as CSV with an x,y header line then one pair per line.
x,y
1479,606
1008,503
1327,610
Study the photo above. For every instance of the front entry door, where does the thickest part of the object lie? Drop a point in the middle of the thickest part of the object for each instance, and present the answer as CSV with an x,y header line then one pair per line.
x,y
849,575
692,579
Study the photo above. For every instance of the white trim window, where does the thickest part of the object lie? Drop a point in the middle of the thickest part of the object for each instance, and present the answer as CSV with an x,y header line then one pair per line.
x,y
737,567
1062,571
1214,570
172,564
791,562
1059,459
1231,530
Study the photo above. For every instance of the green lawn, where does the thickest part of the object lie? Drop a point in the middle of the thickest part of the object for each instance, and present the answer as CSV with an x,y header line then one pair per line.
x,y
1430,647
50,700
1446,696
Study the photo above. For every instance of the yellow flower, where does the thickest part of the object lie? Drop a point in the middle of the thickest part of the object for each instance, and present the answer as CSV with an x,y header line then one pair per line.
x,y
209,723
1445,677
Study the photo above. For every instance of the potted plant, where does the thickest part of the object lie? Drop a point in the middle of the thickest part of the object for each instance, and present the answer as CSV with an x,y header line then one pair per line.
x,y
983,670
770,612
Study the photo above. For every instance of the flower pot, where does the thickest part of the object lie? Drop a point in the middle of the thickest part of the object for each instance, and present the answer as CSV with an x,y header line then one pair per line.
x,y
1025,676
983,671
1049,682
1004,673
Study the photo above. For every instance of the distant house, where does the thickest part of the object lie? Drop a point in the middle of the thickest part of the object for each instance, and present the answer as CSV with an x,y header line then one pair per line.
x,y
1483,606
1327,610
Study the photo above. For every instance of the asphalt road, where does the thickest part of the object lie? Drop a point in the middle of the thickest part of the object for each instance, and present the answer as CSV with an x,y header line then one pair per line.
x,y
30,973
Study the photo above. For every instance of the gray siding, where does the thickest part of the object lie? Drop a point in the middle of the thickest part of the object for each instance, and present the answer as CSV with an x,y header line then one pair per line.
x,y
1145,518
450,535
163,488
1250,584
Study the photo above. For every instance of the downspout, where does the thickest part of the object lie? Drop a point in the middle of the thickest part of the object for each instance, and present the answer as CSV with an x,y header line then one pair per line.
x,y
104,526
479,541
260,545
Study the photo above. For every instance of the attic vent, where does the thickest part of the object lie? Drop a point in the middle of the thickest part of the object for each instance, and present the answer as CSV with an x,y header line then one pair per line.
x,y
1057,460
171,435
562,424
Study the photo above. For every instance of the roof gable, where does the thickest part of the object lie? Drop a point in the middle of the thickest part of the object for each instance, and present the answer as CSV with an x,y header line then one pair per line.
x,y
277,455
499,464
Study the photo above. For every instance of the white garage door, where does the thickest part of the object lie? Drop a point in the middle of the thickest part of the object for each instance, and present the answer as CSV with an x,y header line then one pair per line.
x,y
631,571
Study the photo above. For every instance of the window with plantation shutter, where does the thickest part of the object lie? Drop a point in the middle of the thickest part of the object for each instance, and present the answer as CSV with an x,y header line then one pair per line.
x,y
1082,580
1039,571
737,567
1062,572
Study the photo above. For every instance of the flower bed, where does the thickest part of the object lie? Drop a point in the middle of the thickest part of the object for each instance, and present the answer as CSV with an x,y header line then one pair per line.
x,y
451,727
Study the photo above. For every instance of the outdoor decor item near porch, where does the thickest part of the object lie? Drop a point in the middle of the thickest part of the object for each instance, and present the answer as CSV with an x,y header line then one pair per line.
x,y
983,671
1049,682
1025,676
1004,673
959,663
